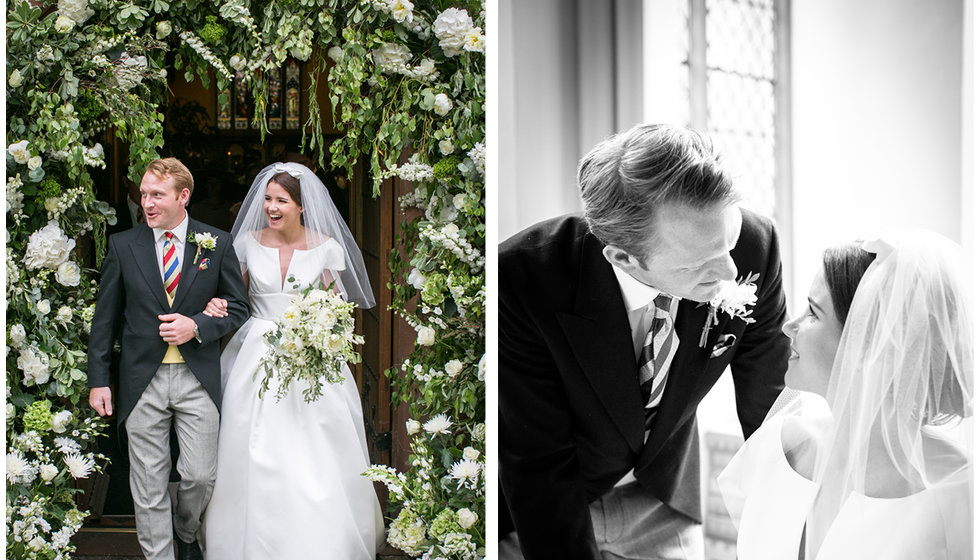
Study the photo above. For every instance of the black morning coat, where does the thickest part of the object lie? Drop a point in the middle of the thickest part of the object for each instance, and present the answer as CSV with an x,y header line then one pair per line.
x,y
571,414
131,296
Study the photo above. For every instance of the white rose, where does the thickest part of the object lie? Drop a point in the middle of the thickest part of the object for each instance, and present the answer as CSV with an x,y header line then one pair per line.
x,y
77,10
446,147
163,29
44,307
48,472
474,41
412,426
335,53
470,454
459,201
63,315
59,422
15,79
453,367
17,335
63,24
481,368
443,104
427,336
237,62
19,152
401,10
466,518
450,28
34,163
68,274
416,279
391,56
11,411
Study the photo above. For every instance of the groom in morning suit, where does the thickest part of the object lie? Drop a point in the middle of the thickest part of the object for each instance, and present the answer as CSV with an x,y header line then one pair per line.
x,y
601,358
153,290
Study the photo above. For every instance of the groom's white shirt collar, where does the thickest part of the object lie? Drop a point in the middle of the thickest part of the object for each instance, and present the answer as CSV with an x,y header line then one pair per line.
x,y
636,294
180,231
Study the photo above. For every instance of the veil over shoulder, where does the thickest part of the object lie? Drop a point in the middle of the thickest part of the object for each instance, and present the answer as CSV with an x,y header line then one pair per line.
x,y
322,222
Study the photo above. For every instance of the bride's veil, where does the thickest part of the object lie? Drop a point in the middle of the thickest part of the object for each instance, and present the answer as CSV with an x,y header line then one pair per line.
x,y
901,388
322,221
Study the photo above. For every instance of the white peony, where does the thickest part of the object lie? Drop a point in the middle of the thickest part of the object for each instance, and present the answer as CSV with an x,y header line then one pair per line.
x,y
438,424
19,152
59,422
442,104
474,41
15,79
34,163
453,367
63,24
466,518
78,465
451,27
17,335
335,343
47,247
391,56
163,29
68,274
401,10
427,336
416,279
48,472
470,454
446,147
44,307
63,315
412,426
77,10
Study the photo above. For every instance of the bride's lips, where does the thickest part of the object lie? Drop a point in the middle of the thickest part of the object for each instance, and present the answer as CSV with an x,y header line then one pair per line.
x,y
274,218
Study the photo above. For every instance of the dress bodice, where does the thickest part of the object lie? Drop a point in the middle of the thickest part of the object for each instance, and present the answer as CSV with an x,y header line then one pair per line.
x,y
268,292
769,502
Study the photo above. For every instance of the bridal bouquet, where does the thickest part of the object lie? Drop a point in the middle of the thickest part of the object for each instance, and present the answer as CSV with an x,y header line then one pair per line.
x,y
311,342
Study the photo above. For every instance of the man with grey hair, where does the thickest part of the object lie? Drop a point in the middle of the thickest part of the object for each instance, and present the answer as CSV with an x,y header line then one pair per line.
x,y
607,344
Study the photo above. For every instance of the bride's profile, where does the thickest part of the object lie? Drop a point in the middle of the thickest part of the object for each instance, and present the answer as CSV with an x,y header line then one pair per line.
x,y
869,455
288,480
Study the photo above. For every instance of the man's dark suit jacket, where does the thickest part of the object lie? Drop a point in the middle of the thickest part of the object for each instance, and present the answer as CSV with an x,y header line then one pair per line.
x,y
131,296
571,414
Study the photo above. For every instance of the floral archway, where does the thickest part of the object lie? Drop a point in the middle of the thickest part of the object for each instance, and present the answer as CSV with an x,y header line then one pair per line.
x,y
405,79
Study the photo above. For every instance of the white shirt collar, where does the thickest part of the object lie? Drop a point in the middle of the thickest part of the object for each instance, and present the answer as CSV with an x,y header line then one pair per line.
x,y
636,294
180,231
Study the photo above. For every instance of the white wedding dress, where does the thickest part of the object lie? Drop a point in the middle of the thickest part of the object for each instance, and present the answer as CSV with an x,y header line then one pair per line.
x,y
289,484
769,502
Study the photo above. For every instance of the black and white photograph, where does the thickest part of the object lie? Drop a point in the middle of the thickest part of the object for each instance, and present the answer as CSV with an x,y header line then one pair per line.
x,y
735,313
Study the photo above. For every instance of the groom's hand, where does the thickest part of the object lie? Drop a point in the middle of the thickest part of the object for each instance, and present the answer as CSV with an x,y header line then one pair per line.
x,y
101,400
175,328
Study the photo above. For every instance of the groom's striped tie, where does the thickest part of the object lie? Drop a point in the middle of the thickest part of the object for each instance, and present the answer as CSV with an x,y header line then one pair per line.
x,y
171,267
660,342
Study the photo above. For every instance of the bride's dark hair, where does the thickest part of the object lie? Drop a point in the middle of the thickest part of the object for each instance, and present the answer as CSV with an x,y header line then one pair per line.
x,y
843,267
290,184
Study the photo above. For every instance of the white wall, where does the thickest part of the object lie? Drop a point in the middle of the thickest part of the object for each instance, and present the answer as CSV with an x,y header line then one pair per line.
x,y
877,113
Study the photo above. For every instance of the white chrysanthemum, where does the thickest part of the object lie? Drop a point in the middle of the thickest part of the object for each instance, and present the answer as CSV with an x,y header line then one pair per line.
x,y
466,471
79,466
59,422
19,152
66,446
438,424
48,247
19,469
442,104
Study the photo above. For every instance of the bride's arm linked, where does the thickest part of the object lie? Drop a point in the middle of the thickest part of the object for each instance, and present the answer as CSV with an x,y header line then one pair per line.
x,y
218,307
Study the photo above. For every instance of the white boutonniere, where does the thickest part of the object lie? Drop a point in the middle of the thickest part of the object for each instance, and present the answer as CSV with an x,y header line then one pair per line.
x,y
734,298
203,241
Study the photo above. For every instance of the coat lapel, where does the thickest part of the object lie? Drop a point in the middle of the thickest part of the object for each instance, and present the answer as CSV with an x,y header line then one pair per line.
x,y
145,257
598,332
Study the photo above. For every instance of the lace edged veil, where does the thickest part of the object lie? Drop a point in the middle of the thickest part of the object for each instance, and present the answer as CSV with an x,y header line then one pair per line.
x,y
321,219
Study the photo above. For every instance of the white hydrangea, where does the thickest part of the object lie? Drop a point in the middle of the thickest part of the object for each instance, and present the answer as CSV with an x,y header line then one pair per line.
x,y
47,247
451,27
77,10
425,71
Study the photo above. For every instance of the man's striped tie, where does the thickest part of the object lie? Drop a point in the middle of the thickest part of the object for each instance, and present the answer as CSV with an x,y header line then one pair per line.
x,y
658,345
171,267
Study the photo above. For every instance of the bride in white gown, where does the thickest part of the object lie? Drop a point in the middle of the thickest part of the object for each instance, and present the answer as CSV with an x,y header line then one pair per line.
x,y
288,485
873,459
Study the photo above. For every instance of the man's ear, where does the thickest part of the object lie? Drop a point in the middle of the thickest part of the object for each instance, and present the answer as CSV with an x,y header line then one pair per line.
x,y
619,258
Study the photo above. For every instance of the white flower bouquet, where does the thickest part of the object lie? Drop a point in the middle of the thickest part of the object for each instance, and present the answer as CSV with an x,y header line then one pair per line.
x,y
311,342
